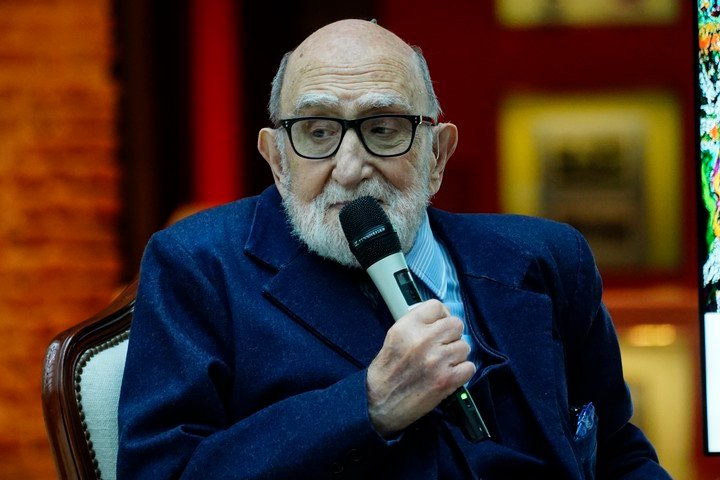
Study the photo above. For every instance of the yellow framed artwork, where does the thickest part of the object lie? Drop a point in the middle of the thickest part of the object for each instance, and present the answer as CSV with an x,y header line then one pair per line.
x,y
609,164
531,13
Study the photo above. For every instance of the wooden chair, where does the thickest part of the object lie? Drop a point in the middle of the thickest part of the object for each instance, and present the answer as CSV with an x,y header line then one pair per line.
x,y
82,373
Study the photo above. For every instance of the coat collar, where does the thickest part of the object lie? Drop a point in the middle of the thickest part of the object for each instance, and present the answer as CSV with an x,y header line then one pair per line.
x,y
271,240
476,251
309,288
517,320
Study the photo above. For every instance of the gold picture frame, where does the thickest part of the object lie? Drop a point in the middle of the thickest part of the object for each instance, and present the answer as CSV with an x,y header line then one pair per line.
x,y
609,164
533,13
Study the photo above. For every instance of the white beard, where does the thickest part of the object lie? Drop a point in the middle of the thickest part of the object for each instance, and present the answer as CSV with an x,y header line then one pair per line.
x,y
319,227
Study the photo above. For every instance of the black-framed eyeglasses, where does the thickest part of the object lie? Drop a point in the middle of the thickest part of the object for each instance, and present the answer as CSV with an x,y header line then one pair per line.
x,y
381,135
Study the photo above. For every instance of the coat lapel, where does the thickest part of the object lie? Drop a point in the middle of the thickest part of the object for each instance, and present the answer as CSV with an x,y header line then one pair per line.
x,y
518,321
328,301
519,326
312,291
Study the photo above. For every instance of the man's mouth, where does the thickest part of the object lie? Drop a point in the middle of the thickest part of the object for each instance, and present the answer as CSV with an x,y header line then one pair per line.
x,y
340,205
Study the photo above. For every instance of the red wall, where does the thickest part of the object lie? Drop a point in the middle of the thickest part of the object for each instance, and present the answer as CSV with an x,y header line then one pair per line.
x,y
216,101
475,62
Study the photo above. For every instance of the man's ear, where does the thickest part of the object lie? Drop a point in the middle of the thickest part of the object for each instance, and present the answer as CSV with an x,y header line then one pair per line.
x,y
445,141
268,149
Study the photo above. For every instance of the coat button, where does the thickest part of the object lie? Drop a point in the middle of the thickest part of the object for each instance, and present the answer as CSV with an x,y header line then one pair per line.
x,y
354,455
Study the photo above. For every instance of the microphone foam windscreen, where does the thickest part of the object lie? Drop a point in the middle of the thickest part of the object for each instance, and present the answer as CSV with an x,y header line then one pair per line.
x,y
368,230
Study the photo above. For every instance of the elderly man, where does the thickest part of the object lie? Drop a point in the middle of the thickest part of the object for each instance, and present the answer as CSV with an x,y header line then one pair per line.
x,y
260,350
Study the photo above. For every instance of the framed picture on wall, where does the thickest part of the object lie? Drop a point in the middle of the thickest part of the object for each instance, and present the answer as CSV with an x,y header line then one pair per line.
x,y
608,164
530,13
592,178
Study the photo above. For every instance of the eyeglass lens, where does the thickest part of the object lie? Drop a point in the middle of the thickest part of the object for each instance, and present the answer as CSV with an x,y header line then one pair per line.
x,y
318,138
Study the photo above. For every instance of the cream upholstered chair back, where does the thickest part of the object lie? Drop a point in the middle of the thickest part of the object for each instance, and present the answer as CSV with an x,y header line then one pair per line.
x,y
81,385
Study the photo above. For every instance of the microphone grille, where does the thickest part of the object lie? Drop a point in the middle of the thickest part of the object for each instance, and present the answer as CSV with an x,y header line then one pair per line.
x,y
368,231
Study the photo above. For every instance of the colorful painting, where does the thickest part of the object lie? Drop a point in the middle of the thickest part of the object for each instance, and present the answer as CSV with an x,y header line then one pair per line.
x,y
709,97
709,138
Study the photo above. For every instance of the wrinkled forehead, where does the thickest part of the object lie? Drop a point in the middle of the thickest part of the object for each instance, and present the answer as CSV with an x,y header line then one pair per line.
x,y
353,70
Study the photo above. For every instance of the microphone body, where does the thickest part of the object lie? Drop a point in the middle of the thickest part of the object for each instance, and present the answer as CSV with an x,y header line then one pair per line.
x,y
375,244
393,280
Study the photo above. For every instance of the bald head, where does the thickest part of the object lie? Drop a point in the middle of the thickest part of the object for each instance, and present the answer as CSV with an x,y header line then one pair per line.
x,y
348,41
353,61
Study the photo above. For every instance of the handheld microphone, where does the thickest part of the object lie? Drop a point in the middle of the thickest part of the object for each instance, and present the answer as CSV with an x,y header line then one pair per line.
x,y
376,246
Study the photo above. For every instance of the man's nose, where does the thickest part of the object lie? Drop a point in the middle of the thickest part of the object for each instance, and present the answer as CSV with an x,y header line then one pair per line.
x,y
351,161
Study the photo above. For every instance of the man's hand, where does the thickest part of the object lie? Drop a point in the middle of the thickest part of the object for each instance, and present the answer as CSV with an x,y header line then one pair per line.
x,y
422,361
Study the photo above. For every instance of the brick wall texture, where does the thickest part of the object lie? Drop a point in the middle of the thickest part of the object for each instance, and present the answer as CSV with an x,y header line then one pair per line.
x,y
59,200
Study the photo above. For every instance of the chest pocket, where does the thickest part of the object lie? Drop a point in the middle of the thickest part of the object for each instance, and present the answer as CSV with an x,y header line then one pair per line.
x,y
585,439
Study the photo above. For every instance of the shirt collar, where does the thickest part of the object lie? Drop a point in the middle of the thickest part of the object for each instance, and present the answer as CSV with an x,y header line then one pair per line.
x,y
426,260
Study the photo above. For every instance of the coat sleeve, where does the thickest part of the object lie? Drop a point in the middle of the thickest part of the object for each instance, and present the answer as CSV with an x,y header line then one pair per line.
x,y
173,417
595,375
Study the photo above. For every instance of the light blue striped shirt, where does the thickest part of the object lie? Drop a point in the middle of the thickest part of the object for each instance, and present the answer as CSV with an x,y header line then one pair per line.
x,y
430,263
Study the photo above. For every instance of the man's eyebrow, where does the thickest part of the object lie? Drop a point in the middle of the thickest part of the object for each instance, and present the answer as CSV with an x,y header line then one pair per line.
x,y
311,100
374,100
368,101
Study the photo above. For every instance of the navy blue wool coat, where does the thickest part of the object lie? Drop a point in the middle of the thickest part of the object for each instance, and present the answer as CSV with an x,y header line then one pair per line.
x,y
248,358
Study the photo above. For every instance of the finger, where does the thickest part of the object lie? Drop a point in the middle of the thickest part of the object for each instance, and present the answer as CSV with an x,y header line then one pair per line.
x,y
464,372
430,311
456,352
455,377
447,330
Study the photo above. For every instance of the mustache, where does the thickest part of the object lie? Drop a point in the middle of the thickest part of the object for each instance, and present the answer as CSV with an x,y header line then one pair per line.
x,y
377,188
